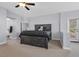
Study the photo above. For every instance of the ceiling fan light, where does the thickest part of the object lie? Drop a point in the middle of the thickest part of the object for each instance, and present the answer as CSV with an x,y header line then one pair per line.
x,y
22,4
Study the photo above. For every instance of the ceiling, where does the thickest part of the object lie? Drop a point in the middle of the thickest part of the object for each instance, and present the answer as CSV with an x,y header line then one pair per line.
x,y
41,8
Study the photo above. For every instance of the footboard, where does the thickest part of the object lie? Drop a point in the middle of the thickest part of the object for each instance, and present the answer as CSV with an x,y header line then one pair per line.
x,y
35,41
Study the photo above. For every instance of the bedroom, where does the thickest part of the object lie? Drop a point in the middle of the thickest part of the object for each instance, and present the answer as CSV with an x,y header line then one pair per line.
x,y
24,20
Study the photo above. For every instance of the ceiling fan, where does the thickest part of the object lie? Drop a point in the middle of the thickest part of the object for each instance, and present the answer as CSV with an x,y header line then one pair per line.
x,y
24,4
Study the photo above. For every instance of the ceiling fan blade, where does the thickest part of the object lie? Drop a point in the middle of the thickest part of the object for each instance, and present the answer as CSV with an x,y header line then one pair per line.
x,y
30,4
27,8
17,6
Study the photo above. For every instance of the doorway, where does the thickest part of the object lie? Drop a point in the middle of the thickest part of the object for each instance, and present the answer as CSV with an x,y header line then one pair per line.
x,y
74,30
15,24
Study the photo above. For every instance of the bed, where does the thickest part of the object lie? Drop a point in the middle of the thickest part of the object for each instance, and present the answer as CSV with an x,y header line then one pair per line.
x,y
37,37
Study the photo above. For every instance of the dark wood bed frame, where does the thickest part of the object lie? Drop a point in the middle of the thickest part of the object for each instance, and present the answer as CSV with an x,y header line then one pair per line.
x,y
37,40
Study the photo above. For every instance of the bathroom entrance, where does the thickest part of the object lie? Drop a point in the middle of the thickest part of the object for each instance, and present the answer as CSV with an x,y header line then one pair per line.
x,y
13,28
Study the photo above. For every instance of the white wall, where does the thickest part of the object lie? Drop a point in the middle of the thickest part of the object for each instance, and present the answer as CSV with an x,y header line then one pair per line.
x,y
52,19
2,25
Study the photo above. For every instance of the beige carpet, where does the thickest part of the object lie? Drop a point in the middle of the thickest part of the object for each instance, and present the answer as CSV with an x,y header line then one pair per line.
x,y
14,49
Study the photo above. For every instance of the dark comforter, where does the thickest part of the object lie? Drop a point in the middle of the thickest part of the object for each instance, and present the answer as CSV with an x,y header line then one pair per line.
x,y
35,33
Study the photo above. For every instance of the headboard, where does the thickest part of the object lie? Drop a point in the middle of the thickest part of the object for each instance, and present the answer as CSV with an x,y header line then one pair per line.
x,y
46,27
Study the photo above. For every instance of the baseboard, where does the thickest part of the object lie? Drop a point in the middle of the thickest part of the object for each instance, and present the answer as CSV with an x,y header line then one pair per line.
x,y
3,43
55,39
75,41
